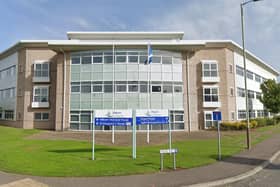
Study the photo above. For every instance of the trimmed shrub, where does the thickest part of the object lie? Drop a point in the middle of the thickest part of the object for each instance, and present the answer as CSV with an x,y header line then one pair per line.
x,y
239,125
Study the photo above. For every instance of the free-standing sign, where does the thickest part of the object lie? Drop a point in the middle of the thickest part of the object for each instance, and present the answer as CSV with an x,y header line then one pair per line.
x,y
152,117
217,116
113,118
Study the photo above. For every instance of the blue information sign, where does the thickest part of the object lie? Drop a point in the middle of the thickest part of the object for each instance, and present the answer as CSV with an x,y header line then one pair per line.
x,y
152,120
217,116
113,121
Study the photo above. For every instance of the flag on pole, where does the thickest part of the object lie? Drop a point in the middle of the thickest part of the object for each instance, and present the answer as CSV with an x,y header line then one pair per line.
x,y
150,54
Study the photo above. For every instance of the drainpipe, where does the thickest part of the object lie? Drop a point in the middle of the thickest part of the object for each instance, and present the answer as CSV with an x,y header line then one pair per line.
x,y
188,92
64,90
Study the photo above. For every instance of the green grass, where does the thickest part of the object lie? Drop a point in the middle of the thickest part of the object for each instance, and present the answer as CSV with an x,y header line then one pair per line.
x,y
19,154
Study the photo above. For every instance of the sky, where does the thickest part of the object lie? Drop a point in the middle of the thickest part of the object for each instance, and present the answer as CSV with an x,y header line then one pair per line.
x,y
199,19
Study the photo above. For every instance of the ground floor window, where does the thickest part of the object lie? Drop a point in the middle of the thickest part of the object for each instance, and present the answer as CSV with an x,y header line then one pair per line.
x,y
9,114
208,120
41,116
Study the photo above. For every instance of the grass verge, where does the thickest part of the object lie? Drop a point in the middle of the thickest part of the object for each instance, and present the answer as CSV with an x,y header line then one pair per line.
x,y
73,158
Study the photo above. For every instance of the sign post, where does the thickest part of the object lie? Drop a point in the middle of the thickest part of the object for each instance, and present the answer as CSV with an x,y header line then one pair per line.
x,y
169,136
93,141
134,134
217,116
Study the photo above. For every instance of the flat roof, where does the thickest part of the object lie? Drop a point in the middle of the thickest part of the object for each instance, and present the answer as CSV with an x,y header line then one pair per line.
x,y
125,35
162,40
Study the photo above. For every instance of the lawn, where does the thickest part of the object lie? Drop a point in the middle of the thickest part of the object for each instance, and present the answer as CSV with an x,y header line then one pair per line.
x,y
18,154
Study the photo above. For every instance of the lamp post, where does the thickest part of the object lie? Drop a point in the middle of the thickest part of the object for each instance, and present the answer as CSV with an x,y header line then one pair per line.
x,y
245,73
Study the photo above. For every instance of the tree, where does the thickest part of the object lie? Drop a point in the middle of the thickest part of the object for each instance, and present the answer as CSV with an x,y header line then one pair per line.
x,y
271,96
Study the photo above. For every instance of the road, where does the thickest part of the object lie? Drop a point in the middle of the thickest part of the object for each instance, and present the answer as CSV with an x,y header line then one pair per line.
x,y
268,177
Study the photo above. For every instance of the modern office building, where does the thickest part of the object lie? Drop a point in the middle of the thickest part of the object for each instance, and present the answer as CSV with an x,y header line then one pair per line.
x,y
57,84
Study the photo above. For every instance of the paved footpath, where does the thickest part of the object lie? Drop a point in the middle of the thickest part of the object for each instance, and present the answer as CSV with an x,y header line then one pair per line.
x,y
230,167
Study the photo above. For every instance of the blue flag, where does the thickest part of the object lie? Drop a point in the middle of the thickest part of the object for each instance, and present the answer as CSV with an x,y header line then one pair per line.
x,y
150,54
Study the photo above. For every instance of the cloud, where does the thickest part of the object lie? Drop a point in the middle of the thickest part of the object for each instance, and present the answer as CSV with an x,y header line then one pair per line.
x,y
81,22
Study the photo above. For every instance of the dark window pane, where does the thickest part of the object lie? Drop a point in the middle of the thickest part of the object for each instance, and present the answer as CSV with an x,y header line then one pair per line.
x,y
75,60
97,59
167,89
143,88
133,59
156,88
37,116
86,60
108,88
108,59
166,60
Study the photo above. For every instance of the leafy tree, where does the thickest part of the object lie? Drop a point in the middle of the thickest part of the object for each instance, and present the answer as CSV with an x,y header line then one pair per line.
x,y
271,95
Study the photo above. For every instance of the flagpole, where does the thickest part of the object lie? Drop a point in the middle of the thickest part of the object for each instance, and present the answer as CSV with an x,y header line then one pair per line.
x,y
113,60
149,93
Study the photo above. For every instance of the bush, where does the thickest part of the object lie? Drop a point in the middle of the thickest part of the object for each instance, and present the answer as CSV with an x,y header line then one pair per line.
x,y
276,119
239,125
264,121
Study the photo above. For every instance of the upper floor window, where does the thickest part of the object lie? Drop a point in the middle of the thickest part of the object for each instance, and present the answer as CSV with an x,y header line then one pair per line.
x,y
209,68
41,94
241,92
250,75
258,78
210,94
239,71
41,71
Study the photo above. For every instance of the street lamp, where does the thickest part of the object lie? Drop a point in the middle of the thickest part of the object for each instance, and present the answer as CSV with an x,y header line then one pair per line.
x,y
245,73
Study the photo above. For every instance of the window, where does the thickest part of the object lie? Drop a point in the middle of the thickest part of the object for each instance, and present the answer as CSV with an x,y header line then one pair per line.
x,y
132,86
166,60
178,88
75,60
41,94
252,114
143,59
133,57
97,87
177,119
231,68
41,69
251,94
208,120
75,87
258,78
108,57
250,75
260,113
108,87
156,88
120,86
258,95
156,59
232,116
241,92
86,59
41,116
143,87
167,88
241,114
120,57
86,87
97,58
9,114
210,94
80,120
239,71
210,68
231,91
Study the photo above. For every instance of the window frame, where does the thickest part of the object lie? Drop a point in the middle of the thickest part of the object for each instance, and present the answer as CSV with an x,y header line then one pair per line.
x,y
40,87
41,62
210,70
41,116
211,94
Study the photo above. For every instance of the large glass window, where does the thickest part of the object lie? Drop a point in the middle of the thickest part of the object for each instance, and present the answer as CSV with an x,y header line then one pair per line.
x,y
143,87
258,78
251,94
177,119
41,94
156,88
86,59
75,59
210,68
167,88
121,57
108,86
210,94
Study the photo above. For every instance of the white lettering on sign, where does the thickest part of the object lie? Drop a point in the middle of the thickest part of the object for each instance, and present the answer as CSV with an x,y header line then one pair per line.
x,y
113,113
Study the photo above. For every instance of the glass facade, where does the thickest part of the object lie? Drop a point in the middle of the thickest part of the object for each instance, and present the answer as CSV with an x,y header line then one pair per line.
x,y
122,80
